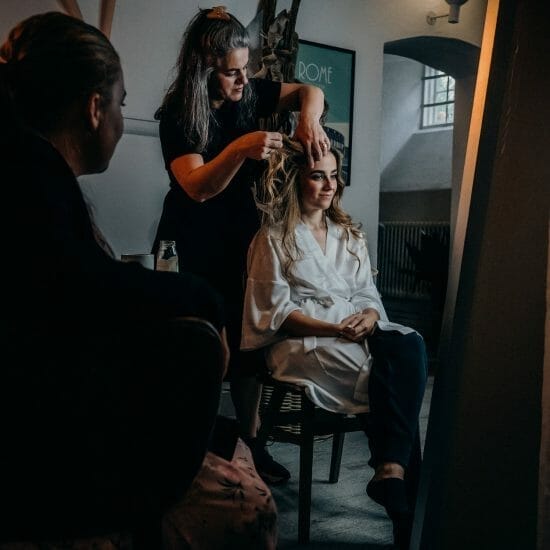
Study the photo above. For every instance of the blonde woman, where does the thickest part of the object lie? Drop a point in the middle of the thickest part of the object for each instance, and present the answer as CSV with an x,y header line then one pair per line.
x,y
312,304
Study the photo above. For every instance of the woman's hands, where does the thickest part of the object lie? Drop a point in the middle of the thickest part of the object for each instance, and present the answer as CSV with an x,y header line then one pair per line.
x,y
312,136
358,326
355,327
258,145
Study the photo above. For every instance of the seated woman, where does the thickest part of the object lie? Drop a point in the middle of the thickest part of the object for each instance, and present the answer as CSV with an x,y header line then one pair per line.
x,y
311,301
105,420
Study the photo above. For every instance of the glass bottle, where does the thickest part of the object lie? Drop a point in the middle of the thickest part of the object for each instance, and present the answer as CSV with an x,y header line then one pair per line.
x,y
167,257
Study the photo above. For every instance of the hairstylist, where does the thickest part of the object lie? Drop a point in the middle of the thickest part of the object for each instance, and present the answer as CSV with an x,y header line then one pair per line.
x,y
213,150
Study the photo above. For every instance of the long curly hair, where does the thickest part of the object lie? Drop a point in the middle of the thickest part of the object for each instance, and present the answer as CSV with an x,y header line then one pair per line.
x,y
205,41
278,199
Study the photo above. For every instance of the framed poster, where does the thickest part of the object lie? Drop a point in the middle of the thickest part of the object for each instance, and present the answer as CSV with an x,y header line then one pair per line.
x,y
333,70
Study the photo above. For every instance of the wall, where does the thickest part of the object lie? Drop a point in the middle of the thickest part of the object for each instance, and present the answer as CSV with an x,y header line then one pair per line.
x,y
410,158
416,165
147,36
427,206
401,98
424,162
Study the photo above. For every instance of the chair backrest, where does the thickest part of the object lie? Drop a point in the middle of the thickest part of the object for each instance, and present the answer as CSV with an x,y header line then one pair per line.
x,y
292,402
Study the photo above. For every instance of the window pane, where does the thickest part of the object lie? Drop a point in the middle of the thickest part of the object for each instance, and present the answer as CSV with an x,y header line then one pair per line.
x,y
442,84
428,91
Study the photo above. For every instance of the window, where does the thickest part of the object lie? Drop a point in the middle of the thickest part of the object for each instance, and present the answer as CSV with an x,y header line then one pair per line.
x,y
438,98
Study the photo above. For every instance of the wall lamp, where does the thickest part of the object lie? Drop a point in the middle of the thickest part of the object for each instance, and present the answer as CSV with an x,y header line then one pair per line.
x,y
454,9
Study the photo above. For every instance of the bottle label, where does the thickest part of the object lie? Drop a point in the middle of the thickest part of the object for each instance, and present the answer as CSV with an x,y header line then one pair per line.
x,y
170,264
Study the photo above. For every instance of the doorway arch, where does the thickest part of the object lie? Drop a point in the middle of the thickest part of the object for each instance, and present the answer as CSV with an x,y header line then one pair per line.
x,y
433,209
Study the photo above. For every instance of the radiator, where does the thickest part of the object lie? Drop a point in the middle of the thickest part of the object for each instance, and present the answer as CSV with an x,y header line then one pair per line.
x,y
410,254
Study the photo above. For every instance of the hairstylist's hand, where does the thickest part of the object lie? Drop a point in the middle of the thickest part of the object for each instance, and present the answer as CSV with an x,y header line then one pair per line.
x,y
312,136
259,145
358,326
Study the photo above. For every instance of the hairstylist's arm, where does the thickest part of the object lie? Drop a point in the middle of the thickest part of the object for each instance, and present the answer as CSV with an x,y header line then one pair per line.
x,y
202,181
310,100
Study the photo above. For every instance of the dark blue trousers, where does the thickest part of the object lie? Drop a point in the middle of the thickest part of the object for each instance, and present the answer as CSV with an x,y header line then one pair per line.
x,y
396,387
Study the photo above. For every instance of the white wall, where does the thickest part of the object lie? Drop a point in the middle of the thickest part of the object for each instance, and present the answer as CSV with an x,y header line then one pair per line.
x,y
410,159
422,164
147,36
401,100
127,199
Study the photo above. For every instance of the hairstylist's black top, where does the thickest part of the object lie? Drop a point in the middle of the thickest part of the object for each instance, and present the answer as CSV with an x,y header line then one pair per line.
x,y
212,237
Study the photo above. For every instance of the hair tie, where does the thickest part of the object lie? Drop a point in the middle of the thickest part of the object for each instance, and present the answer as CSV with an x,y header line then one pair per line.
x,y
218,12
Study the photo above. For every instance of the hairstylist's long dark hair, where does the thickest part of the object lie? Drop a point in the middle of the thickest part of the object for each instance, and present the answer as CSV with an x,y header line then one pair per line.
x,y
48,62
208,37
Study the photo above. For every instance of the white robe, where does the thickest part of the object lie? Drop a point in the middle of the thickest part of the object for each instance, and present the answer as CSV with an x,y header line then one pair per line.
x,y
329,286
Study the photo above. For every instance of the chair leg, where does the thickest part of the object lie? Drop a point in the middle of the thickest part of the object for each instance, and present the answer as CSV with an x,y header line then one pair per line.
x,y
270,415
306,466
336,457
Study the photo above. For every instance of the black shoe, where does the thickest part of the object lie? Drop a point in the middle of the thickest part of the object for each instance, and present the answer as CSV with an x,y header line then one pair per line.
x,y
270,471
391,493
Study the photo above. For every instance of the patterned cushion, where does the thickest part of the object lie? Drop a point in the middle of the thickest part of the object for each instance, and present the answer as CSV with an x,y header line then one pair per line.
x,y
227,506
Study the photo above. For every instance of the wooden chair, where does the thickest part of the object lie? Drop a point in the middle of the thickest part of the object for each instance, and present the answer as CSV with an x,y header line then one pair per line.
x,y
289,416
